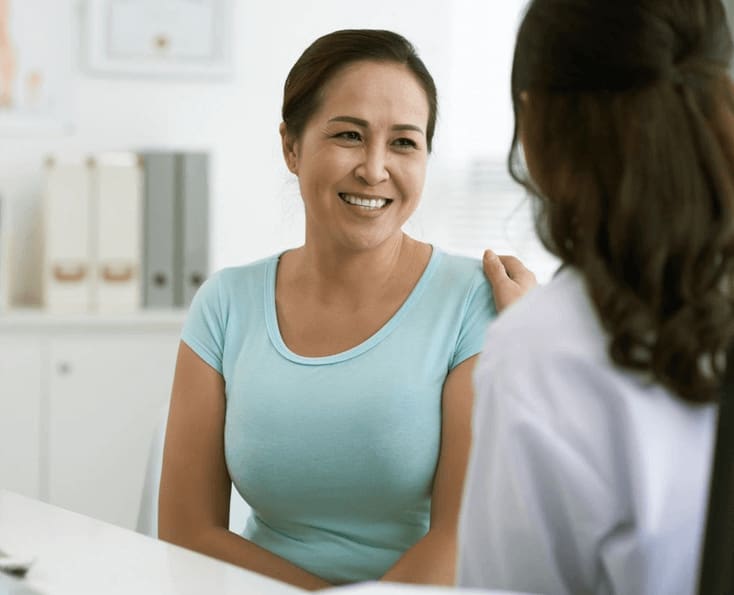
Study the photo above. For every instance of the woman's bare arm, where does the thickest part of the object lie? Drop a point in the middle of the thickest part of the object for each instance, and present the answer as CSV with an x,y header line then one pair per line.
x,y
433,559
195,485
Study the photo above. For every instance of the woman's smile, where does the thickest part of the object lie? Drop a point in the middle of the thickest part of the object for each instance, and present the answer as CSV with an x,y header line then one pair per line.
x,y
365,203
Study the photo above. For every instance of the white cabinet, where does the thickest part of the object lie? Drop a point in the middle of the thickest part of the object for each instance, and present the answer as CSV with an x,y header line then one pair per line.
x,y
80,398
20,414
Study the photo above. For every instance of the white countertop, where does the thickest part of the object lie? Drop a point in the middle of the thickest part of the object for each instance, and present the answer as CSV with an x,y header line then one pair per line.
x,y
77,555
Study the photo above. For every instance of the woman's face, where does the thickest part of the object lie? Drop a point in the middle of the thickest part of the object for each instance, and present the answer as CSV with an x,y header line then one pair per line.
x,y
361,160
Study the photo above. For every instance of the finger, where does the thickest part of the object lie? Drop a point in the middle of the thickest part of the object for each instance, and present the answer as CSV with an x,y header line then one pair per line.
x,y
516,270
504,289
493,267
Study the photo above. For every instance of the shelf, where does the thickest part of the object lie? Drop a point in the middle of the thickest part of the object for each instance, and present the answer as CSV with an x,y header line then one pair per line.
x,y
26,319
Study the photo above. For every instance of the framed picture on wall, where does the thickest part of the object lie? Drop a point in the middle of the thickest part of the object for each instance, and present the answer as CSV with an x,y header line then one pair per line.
x,y
162,38
35,67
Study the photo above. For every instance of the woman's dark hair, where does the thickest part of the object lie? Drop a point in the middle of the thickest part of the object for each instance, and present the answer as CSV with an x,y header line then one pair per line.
x,y
625,111
326,56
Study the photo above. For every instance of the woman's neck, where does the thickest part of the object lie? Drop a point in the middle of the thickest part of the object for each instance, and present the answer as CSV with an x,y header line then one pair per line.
x,y
331,273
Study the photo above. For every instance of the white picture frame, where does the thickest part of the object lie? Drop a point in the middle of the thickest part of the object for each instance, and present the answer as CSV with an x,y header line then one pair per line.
x,y
36,68
159,38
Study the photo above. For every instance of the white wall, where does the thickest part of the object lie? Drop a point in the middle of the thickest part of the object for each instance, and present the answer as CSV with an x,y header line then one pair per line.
x,y
466,44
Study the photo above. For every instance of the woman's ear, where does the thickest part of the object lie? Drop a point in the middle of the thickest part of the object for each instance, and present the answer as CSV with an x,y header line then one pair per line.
x,y
289,149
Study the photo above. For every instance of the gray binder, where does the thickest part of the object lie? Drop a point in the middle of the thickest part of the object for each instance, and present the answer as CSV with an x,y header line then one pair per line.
x,y
159,243
193,240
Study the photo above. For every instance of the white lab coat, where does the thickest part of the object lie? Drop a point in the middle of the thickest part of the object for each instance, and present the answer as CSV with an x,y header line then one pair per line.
x,y
583,478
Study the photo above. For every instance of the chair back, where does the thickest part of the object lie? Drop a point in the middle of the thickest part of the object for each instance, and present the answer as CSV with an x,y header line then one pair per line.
x,y
717,562
239,510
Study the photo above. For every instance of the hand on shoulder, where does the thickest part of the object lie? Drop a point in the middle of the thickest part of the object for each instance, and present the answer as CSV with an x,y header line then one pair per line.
x,y
509,278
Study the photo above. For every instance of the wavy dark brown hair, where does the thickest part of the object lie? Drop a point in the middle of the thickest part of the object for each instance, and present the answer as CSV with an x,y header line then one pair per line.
x,y
626,114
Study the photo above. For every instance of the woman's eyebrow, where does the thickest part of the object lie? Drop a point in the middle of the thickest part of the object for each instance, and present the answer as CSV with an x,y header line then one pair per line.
x,y
364,124
408,127
351,120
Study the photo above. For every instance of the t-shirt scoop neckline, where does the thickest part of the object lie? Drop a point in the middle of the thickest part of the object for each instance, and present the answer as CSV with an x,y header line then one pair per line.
x,y
271,316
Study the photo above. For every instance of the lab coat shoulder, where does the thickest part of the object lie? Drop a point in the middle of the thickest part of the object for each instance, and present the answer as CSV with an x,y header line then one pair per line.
x,y
545,454
575,460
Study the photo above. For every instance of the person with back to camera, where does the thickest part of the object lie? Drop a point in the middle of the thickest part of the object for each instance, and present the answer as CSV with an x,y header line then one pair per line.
x,y
332,383
594,424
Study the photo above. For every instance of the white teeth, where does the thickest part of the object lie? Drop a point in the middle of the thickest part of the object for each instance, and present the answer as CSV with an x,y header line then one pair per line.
x,y
367,203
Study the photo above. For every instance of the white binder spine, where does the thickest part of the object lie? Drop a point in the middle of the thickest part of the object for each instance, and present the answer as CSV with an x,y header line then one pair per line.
x,y
117,183
67,260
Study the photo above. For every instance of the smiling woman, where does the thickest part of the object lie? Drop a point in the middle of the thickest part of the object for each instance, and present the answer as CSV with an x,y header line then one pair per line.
x,y
332,383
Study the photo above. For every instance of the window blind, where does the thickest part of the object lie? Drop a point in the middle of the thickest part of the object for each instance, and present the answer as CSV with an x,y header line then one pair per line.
x,y
470,207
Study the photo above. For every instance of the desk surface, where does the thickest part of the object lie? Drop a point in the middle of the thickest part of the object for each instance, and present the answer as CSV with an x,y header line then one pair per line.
x,y
77,555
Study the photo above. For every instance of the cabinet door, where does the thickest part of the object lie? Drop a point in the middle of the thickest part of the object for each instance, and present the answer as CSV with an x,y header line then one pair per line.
x,y
20,415
107,395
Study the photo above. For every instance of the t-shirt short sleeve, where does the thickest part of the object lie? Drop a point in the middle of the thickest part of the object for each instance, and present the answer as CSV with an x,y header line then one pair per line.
x,y
203,330
479,309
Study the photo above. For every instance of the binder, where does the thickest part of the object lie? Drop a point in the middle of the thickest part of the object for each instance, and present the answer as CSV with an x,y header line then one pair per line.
x,y
160,222
117,184
67,260
193,239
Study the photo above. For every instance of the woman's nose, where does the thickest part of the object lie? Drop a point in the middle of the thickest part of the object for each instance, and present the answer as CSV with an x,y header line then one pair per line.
x,y
373,167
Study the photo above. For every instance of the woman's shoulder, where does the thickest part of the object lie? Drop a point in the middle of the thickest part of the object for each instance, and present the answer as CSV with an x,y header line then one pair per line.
x,y
553,337
458,268
553,320
234,273
233,276
460,280
240,281
560,305
458,262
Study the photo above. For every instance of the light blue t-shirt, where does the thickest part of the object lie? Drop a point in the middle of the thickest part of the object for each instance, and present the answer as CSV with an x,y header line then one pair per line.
x,y
336,454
